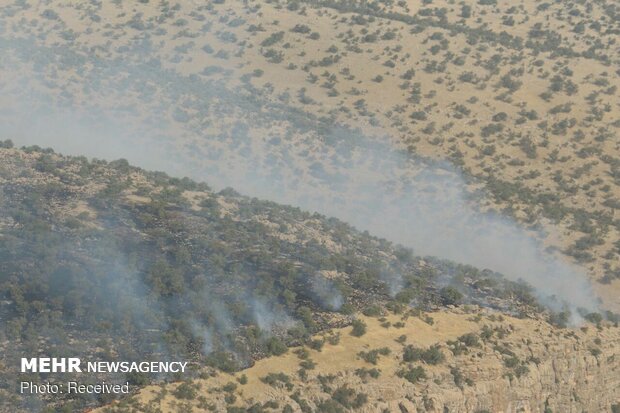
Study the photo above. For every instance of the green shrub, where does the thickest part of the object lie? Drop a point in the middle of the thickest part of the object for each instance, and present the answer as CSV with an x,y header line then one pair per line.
x,y
359,328
413,374
450,296
185,391
276,347
372,356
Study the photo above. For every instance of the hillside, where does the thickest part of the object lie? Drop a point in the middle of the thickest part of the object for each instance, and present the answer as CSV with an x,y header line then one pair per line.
x,y
520,96
456,361
320,205
108,261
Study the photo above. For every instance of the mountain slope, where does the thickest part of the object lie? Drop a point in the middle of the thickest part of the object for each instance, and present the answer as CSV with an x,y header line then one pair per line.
x,y
464,361
105,260
523,97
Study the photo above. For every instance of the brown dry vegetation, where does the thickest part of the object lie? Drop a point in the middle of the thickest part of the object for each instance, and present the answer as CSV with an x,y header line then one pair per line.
x,y
479,361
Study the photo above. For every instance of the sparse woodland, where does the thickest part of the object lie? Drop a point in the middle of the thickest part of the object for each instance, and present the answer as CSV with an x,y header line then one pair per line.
x,y
523,97
113,261
108,260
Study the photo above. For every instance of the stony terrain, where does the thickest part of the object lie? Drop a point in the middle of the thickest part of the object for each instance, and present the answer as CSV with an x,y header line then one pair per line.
x,y
480,363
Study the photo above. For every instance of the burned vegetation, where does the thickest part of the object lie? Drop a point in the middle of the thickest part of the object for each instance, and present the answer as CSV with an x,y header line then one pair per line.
x,y
109,260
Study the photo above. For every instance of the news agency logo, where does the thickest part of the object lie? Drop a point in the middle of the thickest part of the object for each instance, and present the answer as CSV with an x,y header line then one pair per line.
x,y
73,365
51,365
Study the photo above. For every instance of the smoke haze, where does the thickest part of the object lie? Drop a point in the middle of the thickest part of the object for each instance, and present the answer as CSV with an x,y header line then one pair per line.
x,y
335,171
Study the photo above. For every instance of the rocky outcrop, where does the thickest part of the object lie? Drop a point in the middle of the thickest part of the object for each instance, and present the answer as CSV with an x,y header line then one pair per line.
x,y
568,378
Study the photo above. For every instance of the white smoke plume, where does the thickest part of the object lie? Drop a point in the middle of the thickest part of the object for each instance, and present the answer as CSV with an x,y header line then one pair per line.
x,y
338,172
326,292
